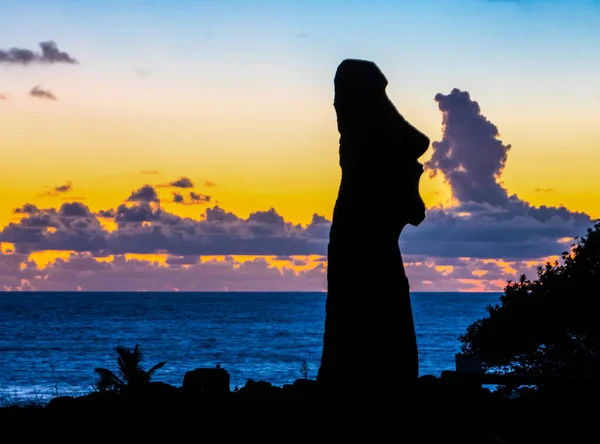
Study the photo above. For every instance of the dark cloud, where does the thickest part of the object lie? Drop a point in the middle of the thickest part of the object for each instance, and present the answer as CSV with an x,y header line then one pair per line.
x,y
487,221
182,182
193,198
470,156
74,209
145,194
108,214
82,271
40,93
143,227
143,212
49,54
72,227
199,198
178,198
61,189
189,273
183,260
27,209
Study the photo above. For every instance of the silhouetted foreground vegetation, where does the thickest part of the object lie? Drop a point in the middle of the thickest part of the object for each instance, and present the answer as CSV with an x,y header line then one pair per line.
x,y
432,410
549,326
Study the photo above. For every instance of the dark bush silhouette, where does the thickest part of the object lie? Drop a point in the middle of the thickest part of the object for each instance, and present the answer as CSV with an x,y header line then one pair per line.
x,y
131,374
548,326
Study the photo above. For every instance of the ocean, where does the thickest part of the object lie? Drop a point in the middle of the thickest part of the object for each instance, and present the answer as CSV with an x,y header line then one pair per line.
x,y
50,343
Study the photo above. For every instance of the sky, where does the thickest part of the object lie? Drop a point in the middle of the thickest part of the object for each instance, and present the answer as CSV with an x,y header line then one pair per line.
x,y
191,145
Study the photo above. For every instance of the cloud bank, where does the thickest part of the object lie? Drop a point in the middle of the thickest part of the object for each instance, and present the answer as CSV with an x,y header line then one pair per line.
x,y
486,238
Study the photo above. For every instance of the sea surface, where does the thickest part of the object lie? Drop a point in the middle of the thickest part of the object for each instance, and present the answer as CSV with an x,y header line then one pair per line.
x,y
50,343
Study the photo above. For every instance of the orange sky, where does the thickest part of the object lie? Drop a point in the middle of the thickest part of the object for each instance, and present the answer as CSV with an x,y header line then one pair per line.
x,y
245,112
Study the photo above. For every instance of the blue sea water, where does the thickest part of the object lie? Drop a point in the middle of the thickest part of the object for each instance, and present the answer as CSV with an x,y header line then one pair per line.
x,y
50,343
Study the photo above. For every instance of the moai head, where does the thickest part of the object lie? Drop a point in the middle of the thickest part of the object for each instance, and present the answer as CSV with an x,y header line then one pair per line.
x,y
377,145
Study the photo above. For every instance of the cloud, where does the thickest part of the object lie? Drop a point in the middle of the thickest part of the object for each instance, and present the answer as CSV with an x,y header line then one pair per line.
x,y
193,199
209,184
3,97
61,189
470,155
485,238
487,221
145,194
198,198
108,214
544,190
302,35
152,172
27,209
193,273
38,92
145,228
180,273
182,182
49,55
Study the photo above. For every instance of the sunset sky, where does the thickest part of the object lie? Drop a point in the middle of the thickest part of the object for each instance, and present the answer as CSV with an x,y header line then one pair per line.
x,y
192,145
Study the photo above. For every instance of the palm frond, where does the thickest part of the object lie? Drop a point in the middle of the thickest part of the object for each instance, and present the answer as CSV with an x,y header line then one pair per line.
x,y
107,380
156,367
128,361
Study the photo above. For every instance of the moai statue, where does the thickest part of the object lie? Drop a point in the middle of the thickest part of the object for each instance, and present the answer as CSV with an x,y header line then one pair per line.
x,y
369,344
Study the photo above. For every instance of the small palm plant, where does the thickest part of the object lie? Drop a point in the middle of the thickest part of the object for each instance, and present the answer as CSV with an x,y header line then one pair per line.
x,y
131,374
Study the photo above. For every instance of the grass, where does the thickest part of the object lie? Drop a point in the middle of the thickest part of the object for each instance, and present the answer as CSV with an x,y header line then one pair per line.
x,y
41,401
28,403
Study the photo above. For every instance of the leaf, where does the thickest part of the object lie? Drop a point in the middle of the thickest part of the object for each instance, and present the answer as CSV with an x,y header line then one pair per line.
x,y
156,367
107,380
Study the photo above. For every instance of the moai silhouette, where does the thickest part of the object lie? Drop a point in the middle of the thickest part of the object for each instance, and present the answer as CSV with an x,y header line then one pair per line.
x,y
369,344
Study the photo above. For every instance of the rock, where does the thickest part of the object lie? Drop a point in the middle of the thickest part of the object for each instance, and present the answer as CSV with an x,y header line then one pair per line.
x,y
214,381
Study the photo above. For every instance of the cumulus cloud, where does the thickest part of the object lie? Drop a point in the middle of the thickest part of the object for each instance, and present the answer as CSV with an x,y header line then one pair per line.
x,y
182,182
27,209
455,248
487,221
145,194
39,92
72,227
49,54
107,214
143,227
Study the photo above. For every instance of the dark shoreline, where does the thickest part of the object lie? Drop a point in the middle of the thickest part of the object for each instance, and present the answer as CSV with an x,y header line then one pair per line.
x,y
434,409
